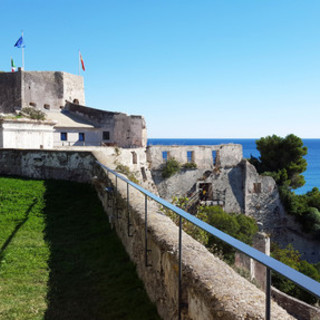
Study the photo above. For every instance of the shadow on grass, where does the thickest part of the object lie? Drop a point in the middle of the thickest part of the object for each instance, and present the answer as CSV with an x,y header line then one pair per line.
x,y
16,229
91,276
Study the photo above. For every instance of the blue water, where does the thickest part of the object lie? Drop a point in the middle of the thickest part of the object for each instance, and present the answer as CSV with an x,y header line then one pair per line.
x,y
312,174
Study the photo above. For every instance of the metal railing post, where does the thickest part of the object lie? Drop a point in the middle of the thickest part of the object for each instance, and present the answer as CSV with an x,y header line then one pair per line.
x,y
128,213
180,269
146,231
268,294
115,199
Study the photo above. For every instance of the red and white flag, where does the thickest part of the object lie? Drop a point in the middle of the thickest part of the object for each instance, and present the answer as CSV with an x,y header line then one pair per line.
x,y
82,63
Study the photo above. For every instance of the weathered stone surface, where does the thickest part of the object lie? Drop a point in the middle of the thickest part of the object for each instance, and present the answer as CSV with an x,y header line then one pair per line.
x,y
39,88
297,308
50,88
228,155
10,92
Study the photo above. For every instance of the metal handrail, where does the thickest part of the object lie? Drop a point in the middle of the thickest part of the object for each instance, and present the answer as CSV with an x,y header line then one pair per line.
x,y
298,278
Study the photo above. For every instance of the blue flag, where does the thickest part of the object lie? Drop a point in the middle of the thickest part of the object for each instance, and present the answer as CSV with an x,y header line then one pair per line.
x,y
20,43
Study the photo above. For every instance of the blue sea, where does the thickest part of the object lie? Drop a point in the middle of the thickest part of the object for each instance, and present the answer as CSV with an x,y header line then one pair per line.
x,y
312,174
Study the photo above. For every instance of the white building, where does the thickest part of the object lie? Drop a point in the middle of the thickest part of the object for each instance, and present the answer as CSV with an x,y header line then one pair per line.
x,y
26,134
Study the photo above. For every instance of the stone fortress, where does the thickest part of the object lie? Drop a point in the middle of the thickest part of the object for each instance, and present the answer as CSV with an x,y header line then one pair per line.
x,y
116,138
68,122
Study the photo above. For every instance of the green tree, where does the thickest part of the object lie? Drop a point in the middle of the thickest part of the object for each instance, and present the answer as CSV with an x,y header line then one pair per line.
x,y
282,158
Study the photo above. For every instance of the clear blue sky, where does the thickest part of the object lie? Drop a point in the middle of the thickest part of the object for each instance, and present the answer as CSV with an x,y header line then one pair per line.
x,y
194,69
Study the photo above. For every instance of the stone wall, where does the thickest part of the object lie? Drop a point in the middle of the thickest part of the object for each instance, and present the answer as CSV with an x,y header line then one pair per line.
x,y
229,155
257,271
211,289
297,308
73,88
51,89
10,91
262,201
39,88
37,164
124,131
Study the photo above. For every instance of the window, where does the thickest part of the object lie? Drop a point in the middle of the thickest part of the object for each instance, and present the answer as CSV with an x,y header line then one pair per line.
x,y
144,175
190,157
134,157
106,135
214,156
63,136
165,156
81,136
257,188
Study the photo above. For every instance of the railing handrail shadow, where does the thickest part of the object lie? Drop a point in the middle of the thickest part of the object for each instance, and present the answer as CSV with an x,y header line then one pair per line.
x,y
270,263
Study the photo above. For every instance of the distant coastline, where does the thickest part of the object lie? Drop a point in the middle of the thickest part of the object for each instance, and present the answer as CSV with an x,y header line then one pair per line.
x,y
312,174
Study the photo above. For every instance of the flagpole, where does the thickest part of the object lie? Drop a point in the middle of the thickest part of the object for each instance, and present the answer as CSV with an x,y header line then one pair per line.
x,y
79,61
22,53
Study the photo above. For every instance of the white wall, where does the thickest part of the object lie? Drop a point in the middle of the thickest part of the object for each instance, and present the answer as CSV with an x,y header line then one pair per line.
x,y
26,134
93,137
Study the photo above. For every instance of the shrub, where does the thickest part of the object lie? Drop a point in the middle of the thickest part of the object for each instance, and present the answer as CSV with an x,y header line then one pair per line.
x,y
304,207
117,151
126,171
311,220
248,228
313,198
291,257
171,167
190,165
34,113
238,226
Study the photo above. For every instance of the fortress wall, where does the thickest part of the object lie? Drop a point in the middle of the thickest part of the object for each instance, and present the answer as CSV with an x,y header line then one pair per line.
x,y
51,88
19,89
95,116
125,131
229,155
73,88
211,289
47,164
10,91
130,131
41,87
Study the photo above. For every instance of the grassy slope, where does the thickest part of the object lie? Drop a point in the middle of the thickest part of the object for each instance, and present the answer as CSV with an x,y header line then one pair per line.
x,y
59,259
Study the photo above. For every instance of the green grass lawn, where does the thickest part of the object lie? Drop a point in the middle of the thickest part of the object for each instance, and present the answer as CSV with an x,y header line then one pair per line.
x,y
60,260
